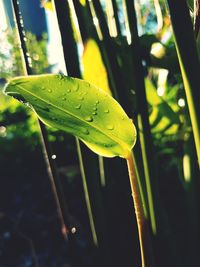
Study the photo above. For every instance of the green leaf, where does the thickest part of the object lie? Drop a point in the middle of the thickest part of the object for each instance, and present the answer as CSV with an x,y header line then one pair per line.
x,y
79,108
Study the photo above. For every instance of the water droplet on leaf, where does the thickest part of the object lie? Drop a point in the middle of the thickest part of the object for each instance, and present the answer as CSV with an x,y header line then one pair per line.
x,y
85,131
89,118
77,88
106,111
78,106
110,127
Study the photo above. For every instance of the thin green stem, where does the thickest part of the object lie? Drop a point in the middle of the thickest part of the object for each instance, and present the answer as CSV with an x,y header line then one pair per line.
x,y
142,223
87,197
102,171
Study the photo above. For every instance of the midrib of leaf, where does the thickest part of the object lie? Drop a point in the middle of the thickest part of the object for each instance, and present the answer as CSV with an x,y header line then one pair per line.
x,y
115,139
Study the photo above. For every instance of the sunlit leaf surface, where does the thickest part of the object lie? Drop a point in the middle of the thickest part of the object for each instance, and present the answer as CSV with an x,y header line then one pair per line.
x,y
78,108
94,70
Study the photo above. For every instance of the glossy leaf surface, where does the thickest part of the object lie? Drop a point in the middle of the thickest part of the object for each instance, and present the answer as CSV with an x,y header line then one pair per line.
x,y
78,108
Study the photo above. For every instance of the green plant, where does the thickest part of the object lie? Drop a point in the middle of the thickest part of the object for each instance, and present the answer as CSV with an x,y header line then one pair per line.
x,y
130,67
93,116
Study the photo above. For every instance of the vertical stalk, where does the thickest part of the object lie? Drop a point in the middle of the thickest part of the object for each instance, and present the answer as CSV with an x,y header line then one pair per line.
x,y
87,198
115,10
73,69
102,171
142,109
51,168
142,223
189,63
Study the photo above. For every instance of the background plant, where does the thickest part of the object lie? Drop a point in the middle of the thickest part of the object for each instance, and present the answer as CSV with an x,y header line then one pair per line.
x,y
175,186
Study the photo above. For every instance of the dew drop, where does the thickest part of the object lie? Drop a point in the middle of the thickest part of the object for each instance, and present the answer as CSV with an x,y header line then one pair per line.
x,y
85,131
89,118
97,102
64,94
64,98
49,90
94,113
43,88
73,230
95,108
106,111
78,106
77,88
110,127
81,98
68,90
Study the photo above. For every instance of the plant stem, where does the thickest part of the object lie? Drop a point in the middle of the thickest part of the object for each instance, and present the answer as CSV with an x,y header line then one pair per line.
x,y
115,10
142,110
62,209
142,223
87,197
189,63
102,171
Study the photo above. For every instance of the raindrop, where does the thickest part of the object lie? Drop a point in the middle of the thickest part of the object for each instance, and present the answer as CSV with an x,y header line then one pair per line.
x,y
64,98
85,131
106,111
53,156
133,92
43,88
97,102
89,119
81,98
95,108
64,94
68,90
73,230
77,88
94,113
78,106
110,127
21,21
49,90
